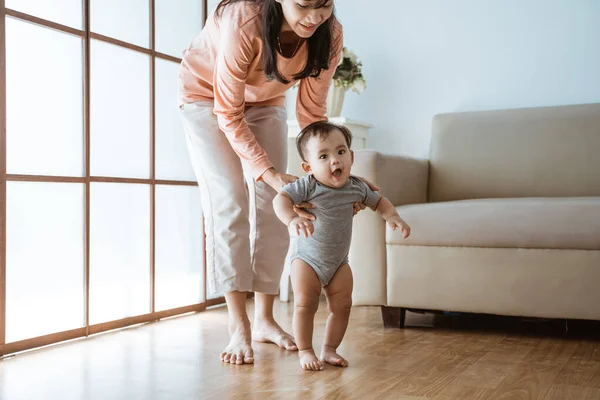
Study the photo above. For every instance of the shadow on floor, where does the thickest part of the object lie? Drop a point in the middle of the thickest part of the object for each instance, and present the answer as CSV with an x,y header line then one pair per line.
x,y
568,329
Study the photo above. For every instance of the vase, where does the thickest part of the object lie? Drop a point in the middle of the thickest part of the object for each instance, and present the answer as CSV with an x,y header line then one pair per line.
x,y
335,100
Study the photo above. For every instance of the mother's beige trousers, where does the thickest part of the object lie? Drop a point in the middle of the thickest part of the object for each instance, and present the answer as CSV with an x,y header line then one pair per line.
x,y
246,244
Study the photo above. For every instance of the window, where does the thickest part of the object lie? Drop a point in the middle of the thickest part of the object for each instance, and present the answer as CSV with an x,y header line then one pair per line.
x,y
101,218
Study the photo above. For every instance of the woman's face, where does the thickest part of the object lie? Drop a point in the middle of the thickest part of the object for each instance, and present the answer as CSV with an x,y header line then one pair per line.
x,y
303,17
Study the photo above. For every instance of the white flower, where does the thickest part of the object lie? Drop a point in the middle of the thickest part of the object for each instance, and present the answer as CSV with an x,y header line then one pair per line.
x,y
348,73
350,54
359,85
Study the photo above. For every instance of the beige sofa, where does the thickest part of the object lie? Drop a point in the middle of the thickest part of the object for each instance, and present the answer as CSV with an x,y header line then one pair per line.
x,y
505,218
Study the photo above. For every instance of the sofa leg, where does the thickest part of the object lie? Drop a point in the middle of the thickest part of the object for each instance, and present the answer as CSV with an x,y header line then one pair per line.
x,y
393,317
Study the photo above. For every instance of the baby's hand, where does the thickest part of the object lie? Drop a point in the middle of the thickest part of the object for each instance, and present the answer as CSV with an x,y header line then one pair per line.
x,y
397,222
304,225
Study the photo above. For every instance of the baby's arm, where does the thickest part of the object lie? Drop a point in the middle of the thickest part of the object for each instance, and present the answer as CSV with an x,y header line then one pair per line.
x,y
386,210
284,209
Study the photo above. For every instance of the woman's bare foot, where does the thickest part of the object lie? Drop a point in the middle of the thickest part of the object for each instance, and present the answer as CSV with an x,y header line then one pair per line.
x,y
265,331
309,361
330,356
239,351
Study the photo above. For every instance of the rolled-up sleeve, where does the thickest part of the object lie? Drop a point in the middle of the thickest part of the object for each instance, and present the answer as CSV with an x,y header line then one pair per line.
x,y
234,56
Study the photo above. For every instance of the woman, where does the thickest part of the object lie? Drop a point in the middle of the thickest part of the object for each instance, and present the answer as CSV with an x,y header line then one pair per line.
x,y
232,83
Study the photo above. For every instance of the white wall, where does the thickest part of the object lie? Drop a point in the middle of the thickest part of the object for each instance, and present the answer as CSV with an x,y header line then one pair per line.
x,y
423,57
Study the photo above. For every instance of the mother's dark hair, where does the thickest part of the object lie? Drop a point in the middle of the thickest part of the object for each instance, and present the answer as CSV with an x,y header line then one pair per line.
x,y
319,44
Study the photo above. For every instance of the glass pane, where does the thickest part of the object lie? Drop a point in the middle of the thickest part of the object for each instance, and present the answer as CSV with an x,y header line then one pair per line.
x,y
179,247
126,20
120,112
44,105
176,25
119,251
172,159
44,258
211,296
65,12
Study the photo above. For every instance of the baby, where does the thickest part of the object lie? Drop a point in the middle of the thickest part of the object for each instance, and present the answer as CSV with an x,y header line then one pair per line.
x,y
319,253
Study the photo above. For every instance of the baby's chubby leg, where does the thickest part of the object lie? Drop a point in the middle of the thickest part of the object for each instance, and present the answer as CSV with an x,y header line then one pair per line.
x,y
307,288
339,303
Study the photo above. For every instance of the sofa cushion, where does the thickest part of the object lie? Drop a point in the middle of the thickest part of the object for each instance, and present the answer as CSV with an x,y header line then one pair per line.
x,y
530,152
537,223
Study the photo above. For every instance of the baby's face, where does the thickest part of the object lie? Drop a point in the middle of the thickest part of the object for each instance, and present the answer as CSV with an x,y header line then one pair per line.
x,y
329,160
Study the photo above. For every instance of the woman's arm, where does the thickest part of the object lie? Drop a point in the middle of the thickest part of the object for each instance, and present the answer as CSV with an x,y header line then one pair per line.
x,y
234,57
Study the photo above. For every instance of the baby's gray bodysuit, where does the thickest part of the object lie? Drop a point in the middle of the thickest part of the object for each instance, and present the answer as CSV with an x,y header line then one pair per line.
x,y
327,249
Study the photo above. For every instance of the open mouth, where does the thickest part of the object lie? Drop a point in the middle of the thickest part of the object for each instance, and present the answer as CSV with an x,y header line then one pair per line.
x,y
337,172
310,28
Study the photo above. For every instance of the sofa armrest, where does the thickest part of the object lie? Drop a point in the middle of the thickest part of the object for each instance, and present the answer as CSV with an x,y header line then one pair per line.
x,y
403,180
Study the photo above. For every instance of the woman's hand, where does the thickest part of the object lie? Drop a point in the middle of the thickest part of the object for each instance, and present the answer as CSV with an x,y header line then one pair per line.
x,y
360,206
299,209
277,180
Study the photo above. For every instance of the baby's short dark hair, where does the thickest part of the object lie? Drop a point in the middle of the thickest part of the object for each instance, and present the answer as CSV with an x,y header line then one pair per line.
x,y
320,129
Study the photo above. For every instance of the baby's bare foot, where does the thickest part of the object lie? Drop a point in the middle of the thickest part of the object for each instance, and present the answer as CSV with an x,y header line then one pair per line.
x,y
239,351
269,332
309,361
330,356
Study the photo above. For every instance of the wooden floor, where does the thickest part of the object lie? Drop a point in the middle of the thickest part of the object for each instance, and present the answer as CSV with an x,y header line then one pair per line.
x,y
459,358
